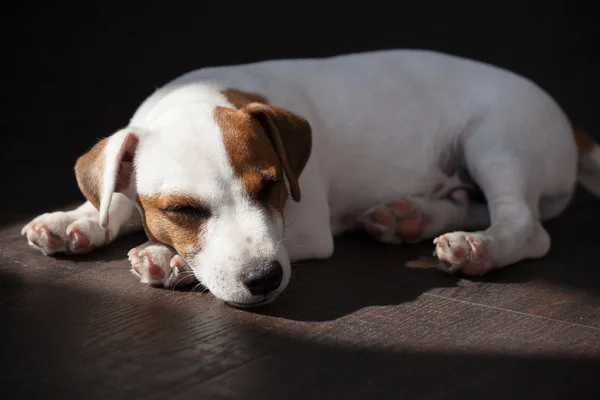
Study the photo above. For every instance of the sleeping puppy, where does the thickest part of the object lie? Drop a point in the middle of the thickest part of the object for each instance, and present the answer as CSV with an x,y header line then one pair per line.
x,y
234,172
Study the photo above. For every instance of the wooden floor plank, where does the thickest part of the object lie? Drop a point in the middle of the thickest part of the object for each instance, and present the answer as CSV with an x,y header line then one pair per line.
x,y
358,325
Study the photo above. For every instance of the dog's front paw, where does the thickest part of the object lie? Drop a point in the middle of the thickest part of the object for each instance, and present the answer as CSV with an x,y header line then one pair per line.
x,y
463,251
60,232
159,265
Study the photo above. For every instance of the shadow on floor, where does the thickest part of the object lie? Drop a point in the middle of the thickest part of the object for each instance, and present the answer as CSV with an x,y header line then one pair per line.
x,y
60,341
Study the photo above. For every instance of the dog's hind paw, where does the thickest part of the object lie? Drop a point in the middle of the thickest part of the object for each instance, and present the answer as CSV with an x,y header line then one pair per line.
x,y
395,222
463,251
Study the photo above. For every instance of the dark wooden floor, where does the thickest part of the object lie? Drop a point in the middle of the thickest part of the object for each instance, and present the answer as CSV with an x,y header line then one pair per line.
x,y
361,325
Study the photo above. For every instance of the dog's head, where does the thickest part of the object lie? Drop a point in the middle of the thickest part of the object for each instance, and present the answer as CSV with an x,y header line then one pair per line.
x,y
211,183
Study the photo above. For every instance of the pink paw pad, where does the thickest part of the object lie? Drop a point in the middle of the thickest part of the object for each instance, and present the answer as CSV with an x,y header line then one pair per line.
x,y
156,267
399,219
79,242
42,234
53,241
462,251
154,271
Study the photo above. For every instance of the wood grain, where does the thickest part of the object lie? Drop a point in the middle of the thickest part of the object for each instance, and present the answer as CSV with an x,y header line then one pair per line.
x,y
360,325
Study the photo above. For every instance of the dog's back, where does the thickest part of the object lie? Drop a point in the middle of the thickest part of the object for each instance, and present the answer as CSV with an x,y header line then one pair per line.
x,y
391,113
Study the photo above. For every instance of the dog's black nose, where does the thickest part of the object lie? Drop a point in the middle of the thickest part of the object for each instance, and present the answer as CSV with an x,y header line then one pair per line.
x,y
263,280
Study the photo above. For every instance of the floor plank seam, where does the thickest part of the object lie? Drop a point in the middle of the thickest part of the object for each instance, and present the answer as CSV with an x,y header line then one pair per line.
x,y
514,312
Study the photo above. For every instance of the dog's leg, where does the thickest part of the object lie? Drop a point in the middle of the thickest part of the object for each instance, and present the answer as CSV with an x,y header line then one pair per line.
x,y
515,233
159,265
413,219
307,223
78,231
476,253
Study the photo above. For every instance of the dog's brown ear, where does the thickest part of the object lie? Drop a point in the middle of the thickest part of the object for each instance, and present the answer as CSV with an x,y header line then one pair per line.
x,y
107,168
291,136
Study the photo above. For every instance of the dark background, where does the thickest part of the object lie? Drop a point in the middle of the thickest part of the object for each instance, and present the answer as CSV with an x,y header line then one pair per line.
x,y
80,71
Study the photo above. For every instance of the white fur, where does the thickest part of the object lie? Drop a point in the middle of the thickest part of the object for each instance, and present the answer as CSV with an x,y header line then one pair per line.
x,y
380,121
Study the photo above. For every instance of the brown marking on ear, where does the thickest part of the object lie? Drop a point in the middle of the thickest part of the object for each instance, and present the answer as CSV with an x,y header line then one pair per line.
x,y
290,135
88,172
584,141
241,99
252,157
178,230
288,144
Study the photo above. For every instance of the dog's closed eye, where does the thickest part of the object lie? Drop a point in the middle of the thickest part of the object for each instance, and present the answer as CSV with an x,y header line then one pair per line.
x,y
267,187
196,210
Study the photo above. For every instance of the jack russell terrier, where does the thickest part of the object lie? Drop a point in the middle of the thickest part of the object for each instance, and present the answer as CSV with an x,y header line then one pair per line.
x,y
234,172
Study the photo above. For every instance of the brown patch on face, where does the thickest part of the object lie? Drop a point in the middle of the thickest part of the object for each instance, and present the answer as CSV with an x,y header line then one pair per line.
x,y
241,99
584,141
174,220
88,172
252,157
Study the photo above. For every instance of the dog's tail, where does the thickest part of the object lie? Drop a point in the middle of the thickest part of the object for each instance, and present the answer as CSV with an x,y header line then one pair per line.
x,y
589,161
